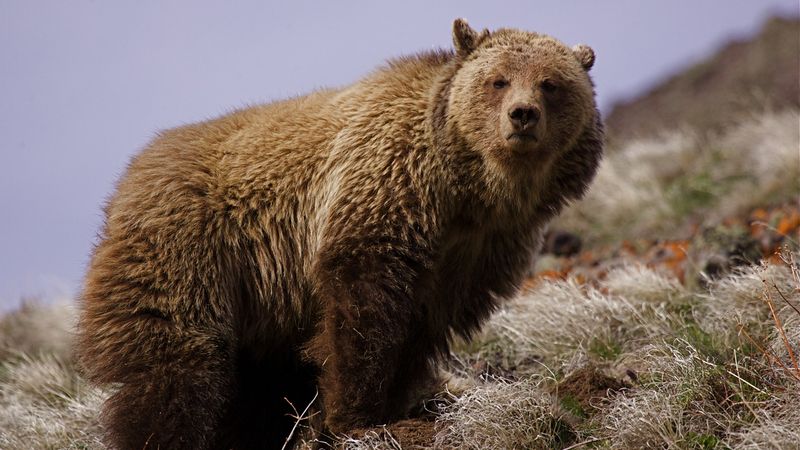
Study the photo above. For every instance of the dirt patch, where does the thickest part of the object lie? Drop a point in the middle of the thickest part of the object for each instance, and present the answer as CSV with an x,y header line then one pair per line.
x,y
414,433
417,433
579,392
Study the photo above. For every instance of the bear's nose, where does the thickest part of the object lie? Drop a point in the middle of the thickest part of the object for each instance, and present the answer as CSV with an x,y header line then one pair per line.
x,y
522,114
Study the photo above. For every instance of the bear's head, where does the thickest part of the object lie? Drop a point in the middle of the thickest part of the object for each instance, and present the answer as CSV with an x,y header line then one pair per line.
x,y
519,96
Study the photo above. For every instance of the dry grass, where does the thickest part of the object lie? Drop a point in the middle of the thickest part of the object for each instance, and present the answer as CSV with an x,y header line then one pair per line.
x,y
740,300
674,381
774,424
698,382
560,318
44,404
38,329
648,188
504,415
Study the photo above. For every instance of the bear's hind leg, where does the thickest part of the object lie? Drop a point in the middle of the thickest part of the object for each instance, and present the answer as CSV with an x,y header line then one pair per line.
x,y
174,382
166,408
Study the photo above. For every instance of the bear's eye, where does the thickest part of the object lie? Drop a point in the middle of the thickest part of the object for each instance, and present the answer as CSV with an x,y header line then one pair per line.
x,y
549,87
500,84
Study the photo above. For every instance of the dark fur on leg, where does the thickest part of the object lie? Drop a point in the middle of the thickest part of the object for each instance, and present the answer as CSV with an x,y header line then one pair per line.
x,y
360,362
165,410
174,382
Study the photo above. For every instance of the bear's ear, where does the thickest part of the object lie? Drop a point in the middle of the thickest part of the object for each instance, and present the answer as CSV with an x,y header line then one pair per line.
x,y
585,55
465,39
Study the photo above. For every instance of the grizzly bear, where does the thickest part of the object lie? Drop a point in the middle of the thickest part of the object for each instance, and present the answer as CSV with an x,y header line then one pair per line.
x,y
328,248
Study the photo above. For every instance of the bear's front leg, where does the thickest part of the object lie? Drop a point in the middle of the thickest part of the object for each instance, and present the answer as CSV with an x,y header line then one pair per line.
x,y
363,336
370,316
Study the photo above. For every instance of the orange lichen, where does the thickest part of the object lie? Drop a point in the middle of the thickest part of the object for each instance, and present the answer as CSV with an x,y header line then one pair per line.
x,y
789,223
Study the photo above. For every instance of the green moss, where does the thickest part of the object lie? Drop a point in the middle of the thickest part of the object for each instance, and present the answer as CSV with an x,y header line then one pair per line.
x,y
686,329
688,194
4,370
703,441
700,340
604,348
571,404
700,190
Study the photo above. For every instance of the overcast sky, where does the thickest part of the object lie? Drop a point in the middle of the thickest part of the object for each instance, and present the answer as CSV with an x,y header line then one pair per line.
x,y
85,84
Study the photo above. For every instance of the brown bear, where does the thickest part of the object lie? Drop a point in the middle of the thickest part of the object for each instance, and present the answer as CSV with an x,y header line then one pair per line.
x,y
330,246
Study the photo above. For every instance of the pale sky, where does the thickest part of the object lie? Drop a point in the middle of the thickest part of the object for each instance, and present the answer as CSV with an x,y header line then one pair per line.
x,y
85,84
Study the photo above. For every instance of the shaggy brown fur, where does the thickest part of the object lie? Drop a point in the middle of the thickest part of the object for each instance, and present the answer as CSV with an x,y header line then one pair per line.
x,y
336,241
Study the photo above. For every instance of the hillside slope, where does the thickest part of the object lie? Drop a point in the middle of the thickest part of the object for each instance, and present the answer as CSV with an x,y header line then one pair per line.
x,y
744,75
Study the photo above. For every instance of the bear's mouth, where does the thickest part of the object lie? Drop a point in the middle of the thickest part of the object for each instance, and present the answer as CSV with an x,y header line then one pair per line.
x,y
522,137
